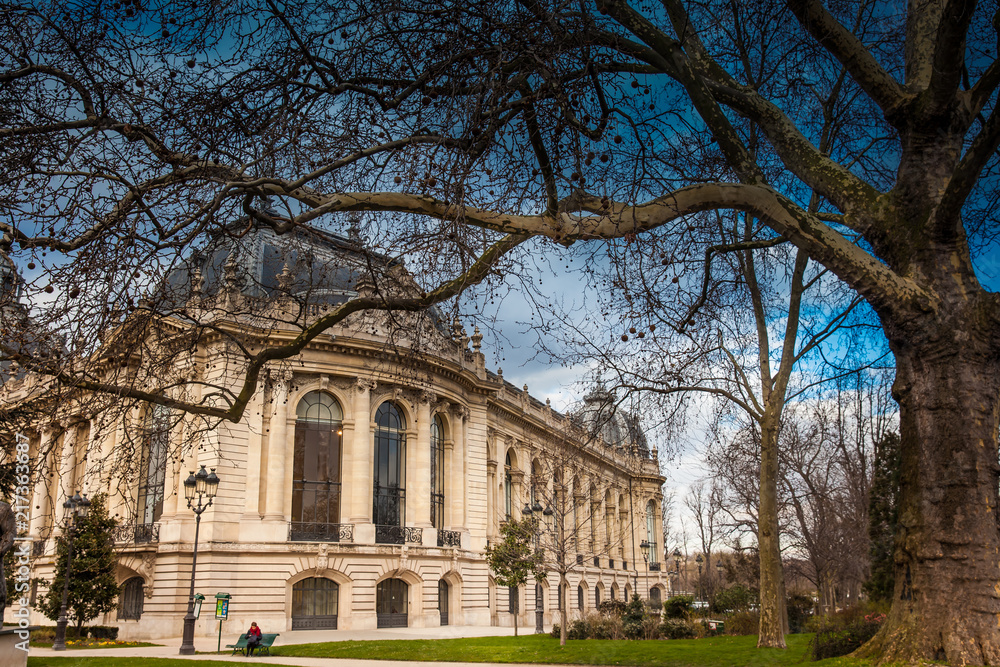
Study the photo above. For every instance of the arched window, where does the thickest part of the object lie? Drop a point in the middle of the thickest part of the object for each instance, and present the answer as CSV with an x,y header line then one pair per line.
x,y
437,472
597,598
391,603
579,597
651,532
390,472
508,486
130,600
316,471
654,595
153,464
315,602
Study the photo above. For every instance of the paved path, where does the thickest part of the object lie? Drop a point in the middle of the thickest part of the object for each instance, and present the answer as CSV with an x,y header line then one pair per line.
x,y
170,646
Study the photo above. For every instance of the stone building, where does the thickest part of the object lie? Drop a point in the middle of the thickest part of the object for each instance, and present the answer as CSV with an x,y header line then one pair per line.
x,y
368,474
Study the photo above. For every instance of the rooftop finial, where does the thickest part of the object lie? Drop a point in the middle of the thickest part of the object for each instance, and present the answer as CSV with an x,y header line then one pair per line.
x,y
354,228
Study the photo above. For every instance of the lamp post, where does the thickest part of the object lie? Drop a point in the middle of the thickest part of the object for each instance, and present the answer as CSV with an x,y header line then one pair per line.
x,y
644,548
677,569
699,560
529,510
76,508
200,485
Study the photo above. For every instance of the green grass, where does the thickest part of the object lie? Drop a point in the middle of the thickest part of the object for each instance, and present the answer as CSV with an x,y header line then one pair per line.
x,y
540,649
62,661
712,652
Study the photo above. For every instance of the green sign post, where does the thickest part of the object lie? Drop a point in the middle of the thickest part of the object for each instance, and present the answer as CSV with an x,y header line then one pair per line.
x,y
221,612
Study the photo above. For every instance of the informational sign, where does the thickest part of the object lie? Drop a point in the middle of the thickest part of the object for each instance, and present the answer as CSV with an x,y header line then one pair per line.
x,y
222,608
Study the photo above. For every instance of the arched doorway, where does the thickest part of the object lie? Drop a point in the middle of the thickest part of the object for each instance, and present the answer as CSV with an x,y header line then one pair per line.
x,y
315,602
391,603
443,591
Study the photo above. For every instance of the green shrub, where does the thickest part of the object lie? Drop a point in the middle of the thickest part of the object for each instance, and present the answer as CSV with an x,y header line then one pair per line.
x,y
556,632
743,623
651,627
601,626
837,639
46,634
735,598
678,606
577,630
612,608
800,609
675,628
632,619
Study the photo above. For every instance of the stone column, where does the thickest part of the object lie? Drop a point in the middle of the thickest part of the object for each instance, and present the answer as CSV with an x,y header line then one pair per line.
x,y
254,464
41,501
359,464
67,469
458,471
418,469
491,499
277,454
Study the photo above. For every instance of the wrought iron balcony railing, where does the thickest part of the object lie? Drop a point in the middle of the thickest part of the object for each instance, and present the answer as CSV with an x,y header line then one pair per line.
x,y
309,531
654,567
143,533
398,535
449,538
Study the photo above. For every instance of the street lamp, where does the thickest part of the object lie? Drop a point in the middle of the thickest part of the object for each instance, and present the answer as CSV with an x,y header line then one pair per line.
x,y
200,485
699,560
530,509
76,508
677,569
644,548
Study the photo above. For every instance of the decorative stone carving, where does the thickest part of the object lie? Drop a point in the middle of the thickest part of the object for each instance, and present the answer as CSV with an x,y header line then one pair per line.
x,y
364,385
322,560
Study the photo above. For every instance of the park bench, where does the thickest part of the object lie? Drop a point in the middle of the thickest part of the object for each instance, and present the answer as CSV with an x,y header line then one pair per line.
x,y
266,639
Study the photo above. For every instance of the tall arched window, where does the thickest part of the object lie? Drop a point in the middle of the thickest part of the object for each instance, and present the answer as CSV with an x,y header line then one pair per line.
x,y
316,470
508,486
390,467
392,603
579,597
651,532
437,472
153,464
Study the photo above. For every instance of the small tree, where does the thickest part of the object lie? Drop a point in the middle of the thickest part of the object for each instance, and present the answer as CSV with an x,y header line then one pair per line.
x,y
514,558
92,587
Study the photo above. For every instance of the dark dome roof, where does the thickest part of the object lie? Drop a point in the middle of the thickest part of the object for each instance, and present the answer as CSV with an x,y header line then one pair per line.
x,y
316,266
599,415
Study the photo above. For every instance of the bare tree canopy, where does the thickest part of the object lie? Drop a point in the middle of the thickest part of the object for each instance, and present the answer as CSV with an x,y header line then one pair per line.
x,y
130,131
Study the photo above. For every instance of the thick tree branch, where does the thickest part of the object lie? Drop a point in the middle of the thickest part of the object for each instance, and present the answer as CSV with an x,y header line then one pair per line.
x,y
852,54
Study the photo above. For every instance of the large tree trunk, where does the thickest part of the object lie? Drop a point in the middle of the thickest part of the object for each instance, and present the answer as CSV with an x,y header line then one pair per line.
x,y
947,555
771,632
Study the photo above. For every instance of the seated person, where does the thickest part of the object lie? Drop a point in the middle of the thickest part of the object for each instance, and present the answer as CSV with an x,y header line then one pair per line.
x,y
253,638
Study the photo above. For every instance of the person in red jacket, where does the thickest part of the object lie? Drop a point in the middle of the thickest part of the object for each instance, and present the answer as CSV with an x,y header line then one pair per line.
x,y
253,638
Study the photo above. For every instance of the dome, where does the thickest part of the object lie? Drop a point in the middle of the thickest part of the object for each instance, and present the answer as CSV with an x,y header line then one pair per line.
x,y
306,263
600,416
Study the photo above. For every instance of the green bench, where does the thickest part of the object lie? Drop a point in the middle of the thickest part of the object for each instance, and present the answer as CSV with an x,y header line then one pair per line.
x,y
266,639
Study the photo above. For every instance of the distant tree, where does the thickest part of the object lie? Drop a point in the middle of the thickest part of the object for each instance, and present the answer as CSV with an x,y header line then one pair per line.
x,y
883,517
92,587
513,559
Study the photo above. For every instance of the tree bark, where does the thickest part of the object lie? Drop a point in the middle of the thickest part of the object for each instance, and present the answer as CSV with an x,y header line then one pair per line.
x,y
947,556
771,632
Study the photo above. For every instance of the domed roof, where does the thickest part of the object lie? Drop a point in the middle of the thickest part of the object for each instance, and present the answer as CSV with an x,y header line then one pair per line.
x,y
315,266
599,415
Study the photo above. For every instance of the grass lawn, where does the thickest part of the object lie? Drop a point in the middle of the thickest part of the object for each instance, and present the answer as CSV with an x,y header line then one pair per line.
x,y
712,652
62,661
94,643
